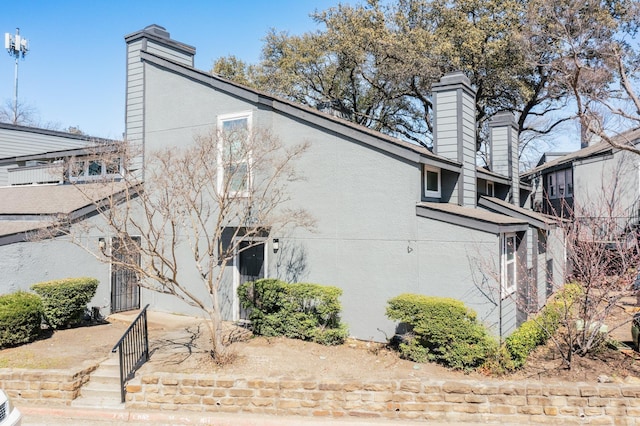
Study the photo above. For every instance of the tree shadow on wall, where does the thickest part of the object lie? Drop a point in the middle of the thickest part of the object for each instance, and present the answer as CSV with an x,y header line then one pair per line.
x,y
291,263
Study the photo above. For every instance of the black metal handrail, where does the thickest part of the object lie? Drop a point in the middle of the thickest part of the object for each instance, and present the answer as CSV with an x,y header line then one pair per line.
x,y
133,349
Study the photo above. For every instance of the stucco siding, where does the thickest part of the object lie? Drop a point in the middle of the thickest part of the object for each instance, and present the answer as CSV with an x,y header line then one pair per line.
x,y
169,52
27,263
607,181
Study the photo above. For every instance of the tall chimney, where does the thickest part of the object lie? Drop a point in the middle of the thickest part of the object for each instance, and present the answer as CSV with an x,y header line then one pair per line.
x,y
504,151
454,134
156,40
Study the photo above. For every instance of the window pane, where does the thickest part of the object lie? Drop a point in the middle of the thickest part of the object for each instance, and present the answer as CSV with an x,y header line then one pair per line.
x,y
511,243
511,275
238,175
560,182
113,166
235,135
569,181
432,181
95,168
77,169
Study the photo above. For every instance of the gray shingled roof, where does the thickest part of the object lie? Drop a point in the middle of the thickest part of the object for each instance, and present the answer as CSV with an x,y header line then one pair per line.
x,y
630,136
53,199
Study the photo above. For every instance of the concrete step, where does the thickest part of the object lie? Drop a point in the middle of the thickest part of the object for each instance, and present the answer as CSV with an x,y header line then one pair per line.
x,y
105,378
98,402
100,390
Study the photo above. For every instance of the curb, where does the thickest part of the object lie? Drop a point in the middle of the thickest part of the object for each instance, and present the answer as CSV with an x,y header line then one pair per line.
x,y
176,418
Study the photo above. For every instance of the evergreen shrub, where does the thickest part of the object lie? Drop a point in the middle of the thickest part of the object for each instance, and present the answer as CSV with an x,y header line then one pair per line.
x,y
20,318
65,301
300,311
441,330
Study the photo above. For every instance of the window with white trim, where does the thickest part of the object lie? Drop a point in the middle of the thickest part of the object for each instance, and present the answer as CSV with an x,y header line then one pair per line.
x,y
234,159
88,169
432,182
509,264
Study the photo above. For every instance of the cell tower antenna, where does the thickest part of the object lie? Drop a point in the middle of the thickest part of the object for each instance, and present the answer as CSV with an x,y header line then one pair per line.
x,y
17,46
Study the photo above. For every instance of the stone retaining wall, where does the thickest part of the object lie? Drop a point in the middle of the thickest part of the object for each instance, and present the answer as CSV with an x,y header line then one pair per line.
x,y
459,400
44,387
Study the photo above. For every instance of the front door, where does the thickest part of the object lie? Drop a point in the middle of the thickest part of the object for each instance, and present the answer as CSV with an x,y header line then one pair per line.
x,y
251,266
125,291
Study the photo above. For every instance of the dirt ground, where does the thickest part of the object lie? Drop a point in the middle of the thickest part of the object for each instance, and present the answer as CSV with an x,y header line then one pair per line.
x,y
181,344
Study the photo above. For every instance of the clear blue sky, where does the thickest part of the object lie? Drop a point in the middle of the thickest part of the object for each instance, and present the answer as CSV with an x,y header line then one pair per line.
x,y
74,74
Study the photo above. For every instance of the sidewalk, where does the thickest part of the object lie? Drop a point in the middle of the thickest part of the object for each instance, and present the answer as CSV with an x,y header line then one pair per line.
x,y
32,415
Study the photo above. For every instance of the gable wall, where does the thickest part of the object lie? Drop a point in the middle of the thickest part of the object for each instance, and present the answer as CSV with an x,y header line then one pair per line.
x,y
367,241
608,180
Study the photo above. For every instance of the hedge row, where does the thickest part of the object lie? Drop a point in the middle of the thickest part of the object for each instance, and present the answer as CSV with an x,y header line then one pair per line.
x,y
537,330
60,303
20,317
300,311
65,301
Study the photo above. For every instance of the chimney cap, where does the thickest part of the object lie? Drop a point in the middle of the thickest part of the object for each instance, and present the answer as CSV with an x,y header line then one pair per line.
x,y
503,118
452,80
157,30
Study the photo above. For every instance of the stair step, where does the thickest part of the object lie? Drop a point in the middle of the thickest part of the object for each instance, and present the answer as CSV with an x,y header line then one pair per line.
x,y
112,381
100,392
107,371
98,402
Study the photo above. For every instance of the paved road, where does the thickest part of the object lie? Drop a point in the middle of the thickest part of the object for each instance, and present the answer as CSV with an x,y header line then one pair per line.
x,y
65,416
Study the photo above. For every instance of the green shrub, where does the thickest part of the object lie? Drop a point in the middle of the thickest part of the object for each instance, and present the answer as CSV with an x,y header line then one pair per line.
x,y
442,330
299,311
20,318
65,300
537,330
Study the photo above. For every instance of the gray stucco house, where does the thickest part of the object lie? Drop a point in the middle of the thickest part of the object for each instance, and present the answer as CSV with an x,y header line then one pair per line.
x,y
599,182
391,217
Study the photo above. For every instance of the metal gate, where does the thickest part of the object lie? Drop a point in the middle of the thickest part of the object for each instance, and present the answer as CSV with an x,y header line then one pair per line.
x,y
125,291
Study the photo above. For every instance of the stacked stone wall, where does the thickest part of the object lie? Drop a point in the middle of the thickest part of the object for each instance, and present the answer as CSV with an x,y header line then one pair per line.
x,y
420,400
44,387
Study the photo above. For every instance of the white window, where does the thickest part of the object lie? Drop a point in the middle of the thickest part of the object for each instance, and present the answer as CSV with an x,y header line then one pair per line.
x,y
509,264
234,159
432,182
88,169
490,190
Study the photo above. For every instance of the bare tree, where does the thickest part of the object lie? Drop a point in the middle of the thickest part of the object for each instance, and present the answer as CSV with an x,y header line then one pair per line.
x,y
197,207
601,242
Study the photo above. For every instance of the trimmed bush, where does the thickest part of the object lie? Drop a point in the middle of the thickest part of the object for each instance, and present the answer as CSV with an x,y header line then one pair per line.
x,y
299,311
537,330
442,330
65,301
20,318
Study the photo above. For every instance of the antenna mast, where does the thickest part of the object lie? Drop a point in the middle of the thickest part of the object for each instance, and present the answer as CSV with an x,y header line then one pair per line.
x,y
16,46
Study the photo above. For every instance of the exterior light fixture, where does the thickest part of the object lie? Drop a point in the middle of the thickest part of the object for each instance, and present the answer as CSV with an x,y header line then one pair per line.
x,y
276,245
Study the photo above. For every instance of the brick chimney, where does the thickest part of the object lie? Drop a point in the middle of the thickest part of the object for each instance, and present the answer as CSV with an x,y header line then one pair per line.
x,y
504,151
454,135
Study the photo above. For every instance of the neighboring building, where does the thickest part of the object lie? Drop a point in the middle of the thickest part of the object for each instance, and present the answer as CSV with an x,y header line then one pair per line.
x,y
598,181
22,141
391,217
